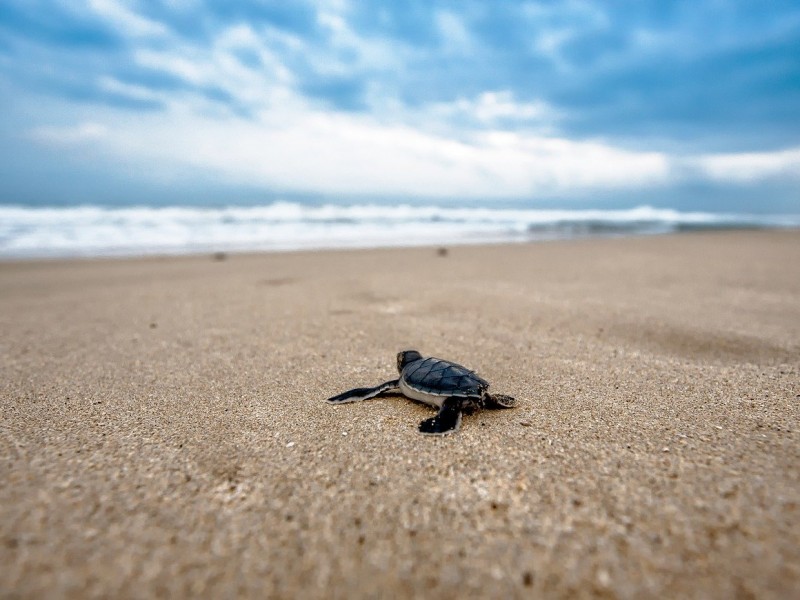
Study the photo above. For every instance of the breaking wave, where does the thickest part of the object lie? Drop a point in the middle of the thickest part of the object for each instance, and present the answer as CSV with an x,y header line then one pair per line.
x,y
29,232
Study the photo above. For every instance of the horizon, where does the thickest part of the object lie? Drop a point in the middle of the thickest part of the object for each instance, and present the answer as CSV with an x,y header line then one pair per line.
x,y
690,106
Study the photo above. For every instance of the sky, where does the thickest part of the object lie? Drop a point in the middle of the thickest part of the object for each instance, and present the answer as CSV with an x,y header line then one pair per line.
x,y
681,104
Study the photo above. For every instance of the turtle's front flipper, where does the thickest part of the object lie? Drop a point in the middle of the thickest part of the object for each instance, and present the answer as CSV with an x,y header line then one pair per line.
x,y
447,421
499,401
363,393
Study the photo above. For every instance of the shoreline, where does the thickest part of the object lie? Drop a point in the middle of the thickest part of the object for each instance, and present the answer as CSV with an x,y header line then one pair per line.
x,y
164,430
30,232
222,253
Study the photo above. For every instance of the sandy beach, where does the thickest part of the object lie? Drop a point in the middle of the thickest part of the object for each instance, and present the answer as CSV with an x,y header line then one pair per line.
x,y
163,430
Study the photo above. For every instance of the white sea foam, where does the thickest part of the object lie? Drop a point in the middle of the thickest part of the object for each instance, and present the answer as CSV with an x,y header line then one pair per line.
x,y
103,231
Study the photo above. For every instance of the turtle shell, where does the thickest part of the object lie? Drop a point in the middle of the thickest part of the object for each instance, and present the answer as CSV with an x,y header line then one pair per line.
x,y
443,378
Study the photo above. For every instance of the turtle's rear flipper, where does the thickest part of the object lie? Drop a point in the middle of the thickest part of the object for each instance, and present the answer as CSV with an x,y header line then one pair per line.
x,y
363,393
499,401
447,421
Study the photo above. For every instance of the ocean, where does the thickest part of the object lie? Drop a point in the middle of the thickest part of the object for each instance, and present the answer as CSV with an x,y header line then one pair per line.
x,y
98,231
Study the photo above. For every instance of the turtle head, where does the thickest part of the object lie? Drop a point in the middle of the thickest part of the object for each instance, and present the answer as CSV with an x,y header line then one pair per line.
x,y
405,357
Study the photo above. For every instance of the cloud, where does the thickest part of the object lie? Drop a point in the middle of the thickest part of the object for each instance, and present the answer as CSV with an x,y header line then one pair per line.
x,y
130,91
520,99
749,167
125,20
606,71
496,107
706,76
70,135
456,38
298,148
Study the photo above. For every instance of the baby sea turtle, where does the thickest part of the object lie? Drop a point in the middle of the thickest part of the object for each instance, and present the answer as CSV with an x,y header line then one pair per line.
x,y
451,388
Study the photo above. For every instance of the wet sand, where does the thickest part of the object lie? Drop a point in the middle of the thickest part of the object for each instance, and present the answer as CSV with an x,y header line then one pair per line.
x,y
163,430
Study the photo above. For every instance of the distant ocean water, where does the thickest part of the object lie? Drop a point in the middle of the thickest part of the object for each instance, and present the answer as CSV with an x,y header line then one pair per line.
x,y
90,231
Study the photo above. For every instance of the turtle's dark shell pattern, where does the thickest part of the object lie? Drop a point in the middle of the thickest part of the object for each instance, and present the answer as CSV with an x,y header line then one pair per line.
x,y
444,378
448,386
